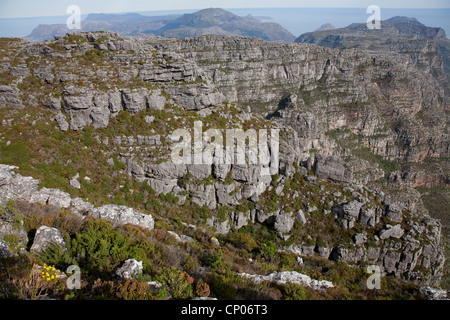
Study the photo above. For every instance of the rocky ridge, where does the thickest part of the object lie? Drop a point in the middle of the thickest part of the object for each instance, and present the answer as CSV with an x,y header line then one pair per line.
x,y
15,187
156,76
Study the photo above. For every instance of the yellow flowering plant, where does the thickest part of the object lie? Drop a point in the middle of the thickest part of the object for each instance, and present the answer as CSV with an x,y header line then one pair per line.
x,y
49,273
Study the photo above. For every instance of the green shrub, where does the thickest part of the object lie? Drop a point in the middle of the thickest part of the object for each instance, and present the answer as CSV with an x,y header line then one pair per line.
x,y
98,250
243,241
118,165
294,291
176,283
169,198
269,249
222,213
154,205
148,188
202,212
287,261
215,260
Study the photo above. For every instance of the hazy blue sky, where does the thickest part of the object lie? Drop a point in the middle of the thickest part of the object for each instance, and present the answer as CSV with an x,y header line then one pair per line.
x,y
36,8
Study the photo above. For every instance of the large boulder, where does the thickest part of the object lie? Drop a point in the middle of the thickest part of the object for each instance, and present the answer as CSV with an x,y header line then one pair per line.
x,y
367,217
348,213
53,197
284,223
285,277
394,212
301,217
16,186
156,101
79,206
10,96
6,174
134,100
240,219
46,235
77,100
122,215
61,121
392,232
333,168
130,268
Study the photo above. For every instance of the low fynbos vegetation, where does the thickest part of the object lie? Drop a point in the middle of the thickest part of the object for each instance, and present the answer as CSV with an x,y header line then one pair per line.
x,y
182,270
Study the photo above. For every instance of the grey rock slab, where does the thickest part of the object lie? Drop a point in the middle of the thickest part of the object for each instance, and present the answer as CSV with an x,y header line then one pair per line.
x,y
333,168
130,268
122,215
46,235
285,277
392,232
394,212
284,223
61,121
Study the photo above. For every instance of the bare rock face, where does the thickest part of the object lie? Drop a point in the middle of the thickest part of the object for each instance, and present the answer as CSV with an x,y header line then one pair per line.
x,y
130,268
333,168
62,122
392,232
10,96
203,194
44,236
394,212
286,277
53,197
15,186
434,293
284,223
6,174
348,213
122,215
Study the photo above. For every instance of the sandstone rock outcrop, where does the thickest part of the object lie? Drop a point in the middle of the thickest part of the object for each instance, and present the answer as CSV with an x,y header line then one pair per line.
x,y
46,235
130,268
285,277
16,187
122,215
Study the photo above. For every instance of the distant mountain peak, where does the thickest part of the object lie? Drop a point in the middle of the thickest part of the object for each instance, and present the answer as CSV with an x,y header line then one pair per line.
x,y
213,12
223,22
325,27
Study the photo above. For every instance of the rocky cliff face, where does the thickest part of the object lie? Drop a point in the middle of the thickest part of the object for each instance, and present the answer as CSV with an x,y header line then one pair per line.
x,y
426,47
366,108
388,105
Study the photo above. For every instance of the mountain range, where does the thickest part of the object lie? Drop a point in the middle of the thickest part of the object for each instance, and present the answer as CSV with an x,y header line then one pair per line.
x,y
207,21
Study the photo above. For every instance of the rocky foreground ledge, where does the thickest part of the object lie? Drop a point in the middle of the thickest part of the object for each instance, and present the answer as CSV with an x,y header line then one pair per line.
x,y
17,187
